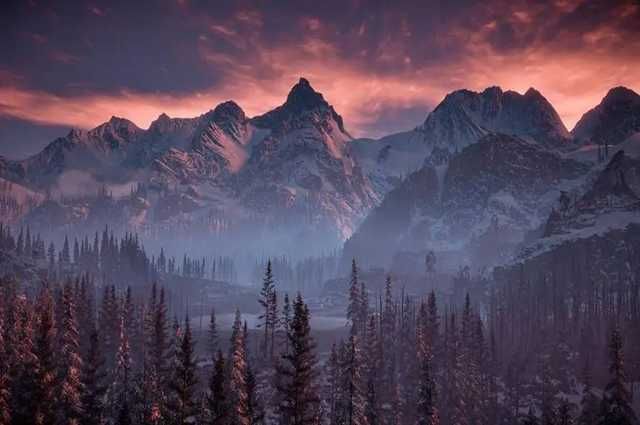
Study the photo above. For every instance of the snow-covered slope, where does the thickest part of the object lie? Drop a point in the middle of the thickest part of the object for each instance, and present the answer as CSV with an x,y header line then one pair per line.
x,y
465,116
293,165
610,200
500,184
614,120
305,165
461,119
594,230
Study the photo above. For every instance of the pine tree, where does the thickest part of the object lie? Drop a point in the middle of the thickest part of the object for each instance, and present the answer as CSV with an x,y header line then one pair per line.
x,y
121,387
285,322
363,311
254,407
427,413
93,384
108,327
157,354
183,384
22,361
44,347
239,414
471,350
331,393
28,246
216,401
213,335
373,355
20,244
70,404
388,386
355,304
5,395
298,390
616,402
266,300
51,253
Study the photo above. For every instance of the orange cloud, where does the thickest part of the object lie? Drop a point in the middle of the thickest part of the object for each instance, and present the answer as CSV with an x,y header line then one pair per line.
x,y
261,79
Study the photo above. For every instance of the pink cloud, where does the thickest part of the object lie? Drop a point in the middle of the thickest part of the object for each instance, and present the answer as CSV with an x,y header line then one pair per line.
x,y
364,82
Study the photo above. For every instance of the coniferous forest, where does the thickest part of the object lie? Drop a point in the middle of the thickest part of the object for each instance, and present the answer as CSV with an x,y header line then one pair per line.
x,y
74,351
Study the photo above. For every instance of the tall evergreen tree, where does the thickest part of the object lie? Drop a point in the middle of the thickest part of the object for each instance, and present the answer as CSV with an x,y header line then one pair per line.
x,y
285,322
156,368
355,304
268,317
300,400
373,354
217,405
331,394
121,387
22,361
93,383
238,391
69,398
427,413
44,347
183,384
5,396
616,402
213,335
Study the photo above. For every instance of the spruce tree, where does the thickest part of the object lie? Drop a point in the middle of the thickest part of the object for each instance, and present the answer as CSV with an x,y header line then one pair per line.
x,y
213,335
44,347
69,398
298,390
427,413
22,361
121,387
331,394
616,402
266,300
373,354
238,391
355,304
5,395
183,384
93,384
157,353
217,403
285,322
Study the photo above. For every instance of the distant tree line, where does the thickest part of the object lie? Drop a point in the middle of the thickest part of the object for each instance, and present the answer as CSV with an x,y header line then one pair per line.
x,y
110,259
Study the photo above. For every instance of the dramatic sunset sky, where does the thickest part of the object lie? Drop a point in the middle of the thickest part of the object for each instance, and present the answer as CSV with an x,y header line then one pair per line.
x,y
382,64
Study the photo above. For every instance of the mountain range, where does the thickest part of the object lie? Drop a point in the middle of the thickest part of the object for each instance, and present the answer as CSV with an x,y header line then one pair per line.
x,y
480,163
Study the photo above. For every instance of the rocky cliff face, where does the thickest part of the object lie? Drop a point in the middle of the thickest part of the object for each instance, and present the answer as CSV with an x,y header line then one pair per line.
x,y
500,184
305,164
290,165
611,122
461,119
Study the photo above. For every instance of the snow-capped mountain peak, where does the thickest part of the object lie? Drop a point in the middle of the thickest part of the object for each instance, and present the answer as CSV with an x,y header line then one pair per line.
x,y
464,116
303,104
614,120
